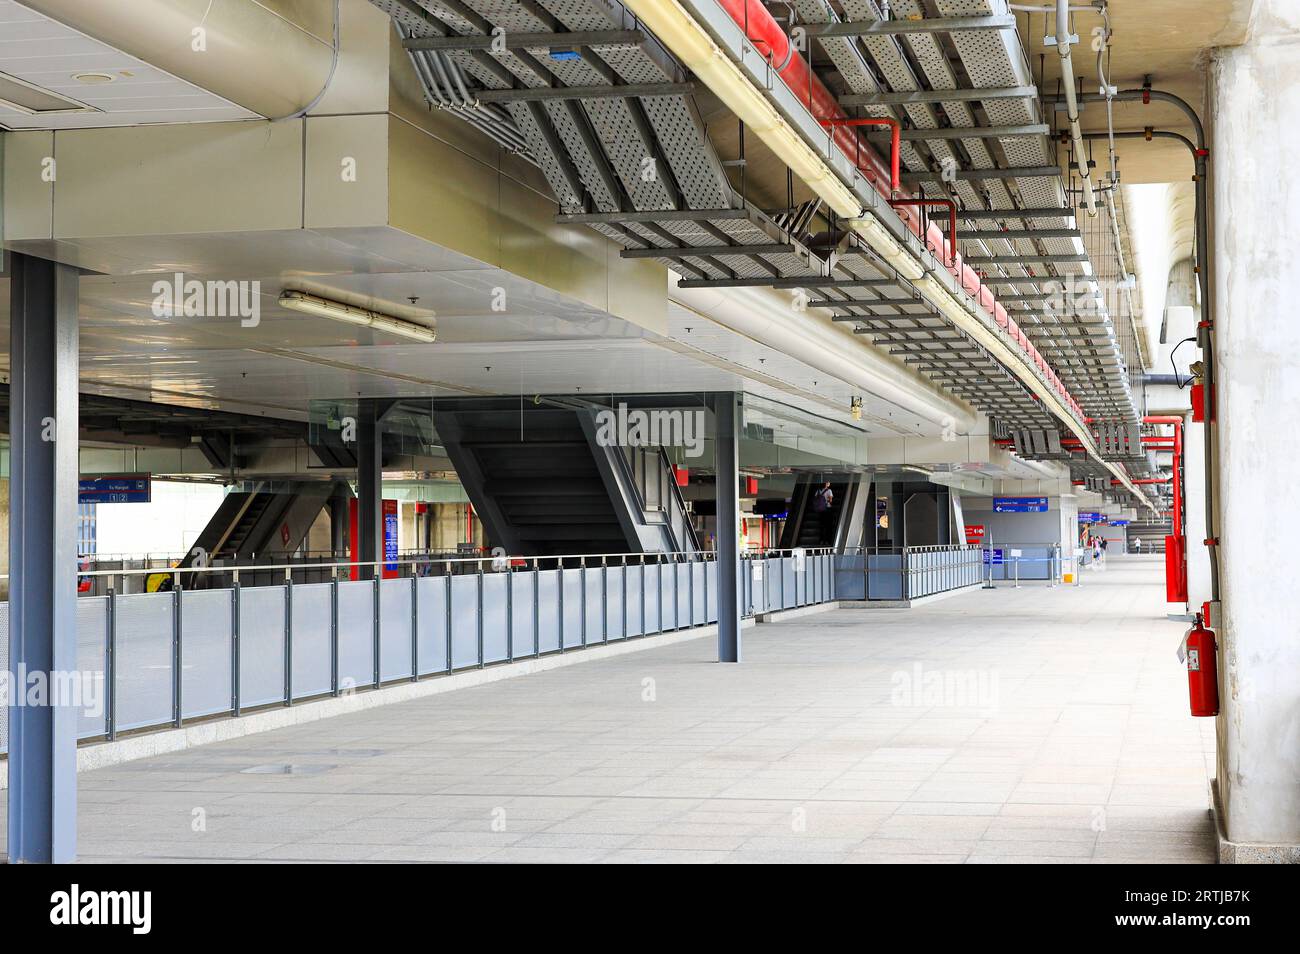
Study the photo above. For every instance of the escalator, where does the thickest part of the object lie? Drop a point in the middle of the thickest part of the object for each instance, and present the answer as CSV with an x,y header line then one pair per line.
x,y
266,524
840,527
544,486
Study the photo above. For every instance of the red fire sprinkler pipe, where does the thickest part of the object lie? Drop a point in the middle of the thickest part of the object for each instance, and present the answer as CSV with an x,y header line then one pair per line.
x,y
895,144
952,221
1175,556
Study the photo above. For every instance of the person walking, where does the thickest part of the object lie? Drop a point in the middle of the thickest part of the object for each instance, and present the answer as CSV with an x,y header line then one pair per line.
x,y
823,500
1102,544
1137,542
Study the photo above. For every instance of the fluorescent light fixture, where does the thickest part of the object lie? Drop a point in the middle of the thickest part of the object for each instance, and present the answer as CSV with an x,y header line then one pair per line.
x,y
27,98
352,315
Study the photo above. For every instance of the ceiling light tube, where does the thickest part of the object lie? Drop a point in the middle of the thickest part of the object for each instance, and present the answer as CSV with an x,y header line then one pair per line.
x,y
352,315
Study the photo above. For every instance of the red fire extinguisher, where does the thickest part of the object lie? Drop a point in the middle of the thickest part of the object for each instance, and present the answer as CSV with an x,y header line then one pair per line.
x,y
1202,669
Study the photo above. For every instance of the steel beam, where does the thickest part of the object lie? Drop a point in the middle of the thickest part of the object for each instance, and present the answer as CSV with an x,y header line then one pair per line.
x,y
995,215
975,132
42,823
1019,234
707,251
852,28
726,484
370,516
919,97
538,93
863,303
968,175
668,215
579,39
1022,259
812,281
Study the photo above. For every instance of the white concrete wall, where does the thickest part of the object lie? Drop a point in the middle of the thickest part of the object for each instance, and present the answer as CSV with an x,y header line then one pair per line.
x,y
1255,107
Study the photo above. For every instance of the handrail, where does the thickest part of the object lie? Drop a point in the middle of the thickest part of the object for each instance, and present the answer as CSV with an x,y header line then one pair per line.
x,y
494,560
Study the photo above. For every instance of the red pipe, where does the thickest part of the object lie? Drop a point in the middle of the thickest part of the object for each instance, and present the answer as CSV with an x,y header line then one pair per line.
x,y
1177,423
952,221
895,147
771,41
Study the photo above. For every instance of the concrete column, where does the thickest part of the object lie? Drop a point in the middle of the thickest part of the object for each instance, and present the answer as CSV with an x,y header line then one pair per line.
x,y
1255,113
43,559
726,467
370,517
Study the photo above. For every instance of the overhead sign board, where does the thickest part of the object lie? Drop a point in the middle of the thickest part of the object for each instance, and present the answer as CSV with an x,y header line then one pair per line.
x,y
1091,516
975,533
1119,523
115,488
1019,504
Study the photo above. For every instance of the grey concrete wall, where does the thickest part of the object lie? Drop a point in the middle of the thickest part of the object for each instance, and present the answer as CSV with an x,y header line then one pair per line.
x,y
1011,528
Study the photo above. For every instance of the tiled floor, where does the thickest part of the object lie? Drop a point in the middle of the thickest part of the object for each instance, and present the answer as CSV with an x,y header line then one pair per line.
x,y
1044,725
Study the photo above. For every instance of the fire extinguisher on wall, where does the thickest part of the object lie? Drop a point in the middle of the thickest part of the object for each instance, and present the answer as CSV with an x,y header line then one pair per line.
x,y
1200,652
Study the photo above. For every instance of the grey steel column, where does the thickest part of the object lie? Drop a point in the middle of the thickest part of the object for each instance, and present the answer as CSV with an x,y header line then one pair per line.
x,y
726,468
42,555
370,518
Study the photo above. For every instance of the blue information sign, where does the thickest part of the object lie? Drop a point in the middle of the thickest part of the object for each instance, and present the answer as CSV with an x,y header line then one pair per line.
x,y
1119,523
115,488
996,556
1091,516
1019,504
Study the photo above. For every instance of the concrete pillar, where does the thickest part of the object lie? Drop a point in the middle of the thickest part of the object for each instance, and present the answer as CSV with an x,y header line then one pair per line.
x,y
1255,113
43,559
726,468
370,517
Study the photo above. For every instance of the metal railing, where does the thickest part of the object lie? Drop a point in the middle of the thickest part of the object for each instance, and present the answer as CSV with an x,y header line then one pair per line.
x,y
906,573
165,658
1023,562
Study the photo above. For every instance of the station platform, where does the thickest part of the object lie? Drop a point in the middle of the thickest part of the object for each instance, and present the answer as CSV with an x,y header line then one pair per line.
x,y
1018,725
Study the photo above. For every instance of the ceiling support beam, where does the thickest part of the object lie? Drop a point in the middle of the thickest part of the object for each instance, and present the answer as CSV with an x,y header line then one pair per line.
x,y
973,175
548,93
973,260
920,97
1019,234
996,215
852,28
708,251
578,39
975,132
812,281
669,215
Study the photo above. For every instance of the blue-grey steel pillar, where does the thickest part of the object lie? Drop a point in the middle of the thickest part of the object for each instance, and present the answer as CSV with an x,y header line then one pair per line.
x,y
726,468
42,557
370,517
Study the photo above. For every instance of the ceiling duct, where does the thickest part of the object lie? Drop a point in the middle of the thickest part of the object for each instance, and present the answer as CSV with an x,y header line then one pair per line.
x,y
252,56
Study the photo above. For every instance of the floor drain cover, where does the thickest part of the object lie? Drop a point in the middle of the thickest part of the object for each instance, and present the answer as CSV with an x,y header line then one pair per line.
x,y
281,768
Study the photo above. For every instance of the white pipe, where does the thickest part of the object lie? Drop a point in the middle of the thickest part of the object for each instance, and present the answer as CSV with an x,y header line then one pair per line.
x,y
769,318
1072,101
